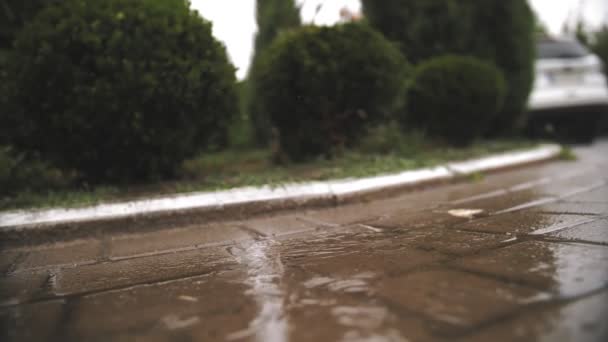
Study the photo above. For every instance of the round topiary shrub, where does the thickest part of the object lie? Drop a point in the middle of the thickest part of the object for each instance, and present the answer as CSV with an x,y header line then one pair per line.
x,y
118,89
321,86
498,31
455,98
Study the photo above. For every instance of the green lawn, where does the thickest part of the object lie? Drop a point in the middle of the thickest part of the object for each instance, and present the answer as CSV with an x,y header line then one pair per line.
x,y
236,168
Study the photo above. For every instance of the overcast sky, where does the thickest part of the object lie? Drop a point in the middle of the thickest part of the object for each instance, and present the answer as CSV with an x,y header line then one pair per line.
x,y
234,20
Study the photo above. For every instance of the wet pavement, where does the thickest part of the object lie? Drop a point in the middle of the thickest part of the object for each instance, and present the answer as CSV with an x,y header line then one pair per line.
x,y
521,255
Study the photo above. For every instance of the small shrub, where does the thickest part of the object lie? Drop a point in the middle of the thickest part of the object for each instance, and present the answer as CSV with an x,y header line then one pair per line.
x,y
498,31
322,86
455,98
118,89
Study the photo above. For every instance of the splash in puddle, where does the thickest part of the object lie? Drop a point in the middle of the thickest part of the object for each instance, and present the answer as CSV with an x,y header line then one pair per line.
x,y
466,213
264,276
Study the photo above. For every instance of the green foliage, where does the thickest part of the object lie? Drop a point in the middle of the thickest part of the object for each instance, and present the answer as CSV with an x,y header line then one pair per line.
x,y
20,174
422,28
117,89
600,46
273,17
391,138
495,30
14,14
322,86
455,98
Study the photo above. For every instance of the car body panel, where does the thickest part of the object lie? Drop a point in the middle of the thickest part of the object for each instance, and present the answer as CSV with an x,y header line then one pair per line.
x,y
568,82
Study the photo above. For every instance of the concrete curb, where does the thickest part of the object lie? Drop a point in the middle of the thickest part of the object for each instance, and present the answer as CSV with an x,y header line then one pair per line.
x,y
57,224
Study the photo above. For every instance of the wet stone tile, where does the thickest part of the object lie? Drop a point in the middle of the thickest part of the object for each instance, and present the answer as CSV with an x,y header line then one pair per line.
x,y
60,254
458,300
457,242
386,253
523,222
21,287
8,259
417,220
597,195
149,269
280,225
566,269
507,201
32,322
173,239
596,232
581,208
207,308
580,320
582,184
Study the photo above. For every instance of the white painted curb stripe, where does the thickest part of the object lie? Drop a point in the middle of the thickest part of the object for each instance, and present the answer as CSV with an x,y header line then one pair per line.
x,y
252,195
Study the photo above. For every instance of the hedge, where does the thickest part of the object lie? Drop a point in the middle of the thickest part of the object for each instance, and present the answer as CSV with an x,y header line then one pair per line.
x,y
117,89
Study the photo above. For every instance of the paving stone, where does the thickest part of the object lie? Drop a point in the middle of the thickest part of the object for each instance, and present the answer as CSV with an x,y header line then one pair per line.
x,y
596,231
199,308
173,239
457,242
417,220
597,195
60,254
583,320
582,208
566,187
31,322
348,254
567,269
459,300
523,222
280,225
142,270
508,201
20,287
8,259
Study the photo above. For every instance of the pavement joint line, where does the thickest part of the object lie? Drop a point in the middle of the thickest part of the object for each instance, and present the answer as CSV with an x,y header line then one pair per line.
x,y
578,241
15,263
487,195
528,205
115,259
318,222
54,297
579,191
530,185
254,233
31,219
574,213
558,227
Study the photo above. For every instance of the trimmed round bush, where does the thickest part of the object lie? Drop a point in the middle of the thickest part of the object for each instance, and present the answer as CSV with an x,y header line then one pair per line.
x,y
498,31
455,98
119,90
322,86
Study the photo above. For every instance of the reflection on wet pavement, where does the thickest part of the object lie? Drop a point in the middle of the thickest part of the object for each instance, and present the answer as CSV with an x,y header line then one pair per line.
x,y
521,256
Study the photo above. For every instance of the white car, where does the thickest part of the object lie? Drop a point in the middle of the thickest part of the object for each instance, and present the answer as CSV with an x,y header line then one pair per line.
x,y
570,94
